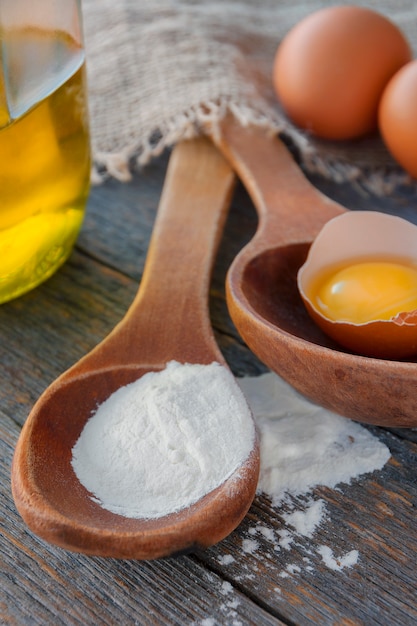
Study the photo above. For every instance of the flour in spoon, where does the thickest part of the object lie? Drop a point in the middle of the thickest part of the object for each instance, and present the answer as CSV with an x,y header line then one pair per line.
x,y
161,443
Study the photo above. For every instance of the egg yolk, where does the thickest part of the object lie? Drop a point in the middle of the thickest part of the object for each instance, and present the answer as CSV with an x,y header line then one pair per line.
x,y
367,291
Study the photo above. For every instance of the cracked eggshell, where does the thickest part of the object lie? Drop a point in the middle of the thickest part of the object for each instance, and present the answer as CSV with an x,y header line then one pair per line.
x,y
355,236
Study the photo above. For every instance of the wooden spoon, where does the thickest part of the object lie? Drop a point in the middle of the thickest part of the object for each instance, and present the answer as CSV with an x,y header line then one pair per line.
x,y
263,298
168,320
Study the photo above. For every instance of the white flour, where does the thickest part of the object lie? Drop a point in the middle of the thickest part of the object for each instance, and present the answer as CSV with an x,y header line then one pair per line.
x,y
303,445
305,522
155,446
159,444
337,563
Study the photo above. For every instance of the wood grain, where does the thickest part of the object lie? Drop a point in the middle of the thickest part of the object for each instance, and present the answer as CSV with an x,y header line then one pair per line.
x,y
266,306
236,581
167,320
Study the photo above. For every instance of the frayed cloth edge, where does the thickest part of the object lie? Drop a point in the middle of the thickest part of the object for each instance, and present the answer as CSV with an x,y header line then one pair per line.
x,y
121,164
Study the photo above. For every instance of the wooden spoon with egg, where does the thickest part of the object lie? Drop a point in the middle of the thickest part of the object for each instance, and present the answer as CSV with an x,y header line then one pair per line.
x,y
265,303
168,320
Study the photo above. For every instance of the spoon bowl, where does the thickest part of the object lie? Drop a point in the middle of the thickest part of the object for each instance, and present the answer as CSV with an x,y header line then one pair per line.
x,y
263,298
47,492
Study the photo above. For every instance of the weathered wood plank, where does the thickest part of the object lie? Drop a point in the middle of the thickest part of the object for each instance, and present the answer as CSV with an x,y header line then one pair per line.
x,y
291,582
119,220
250,578
47,330
42,585
375,515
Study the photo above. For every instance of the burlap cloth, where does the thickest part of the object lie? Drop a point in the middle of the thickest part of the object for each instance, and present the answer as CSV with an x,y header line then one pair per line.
x,y
158,68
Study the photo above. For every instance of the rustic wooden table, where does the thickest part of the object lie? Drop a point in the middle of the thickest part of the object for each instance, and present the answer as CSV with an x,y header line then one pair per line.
x,y
245,579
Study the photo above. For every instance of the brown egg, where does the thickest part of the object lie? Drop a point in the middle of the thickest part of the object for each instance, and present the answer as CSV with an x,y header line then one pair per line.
x,y
359,283
398,117
332,67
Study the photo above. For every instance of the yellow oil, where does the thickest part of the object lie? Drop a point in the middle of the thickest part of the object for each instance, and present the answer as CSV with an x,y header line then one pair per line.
x,y
44,156
366,291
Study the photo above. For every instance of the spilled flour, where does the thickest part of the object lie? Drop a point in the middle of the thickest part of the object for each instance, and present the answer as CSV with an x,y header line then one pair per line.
x,y
304,445
305,522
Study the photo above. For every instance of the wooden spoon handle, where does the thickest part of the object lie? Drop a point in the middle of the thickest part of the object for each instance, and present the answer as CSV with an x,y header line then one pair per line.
x,y
169,317
290,208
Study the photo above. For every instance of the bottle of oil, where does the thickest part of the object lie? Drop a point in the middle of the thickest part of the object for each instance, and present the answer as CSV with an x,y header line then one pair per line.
x,y
44,140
